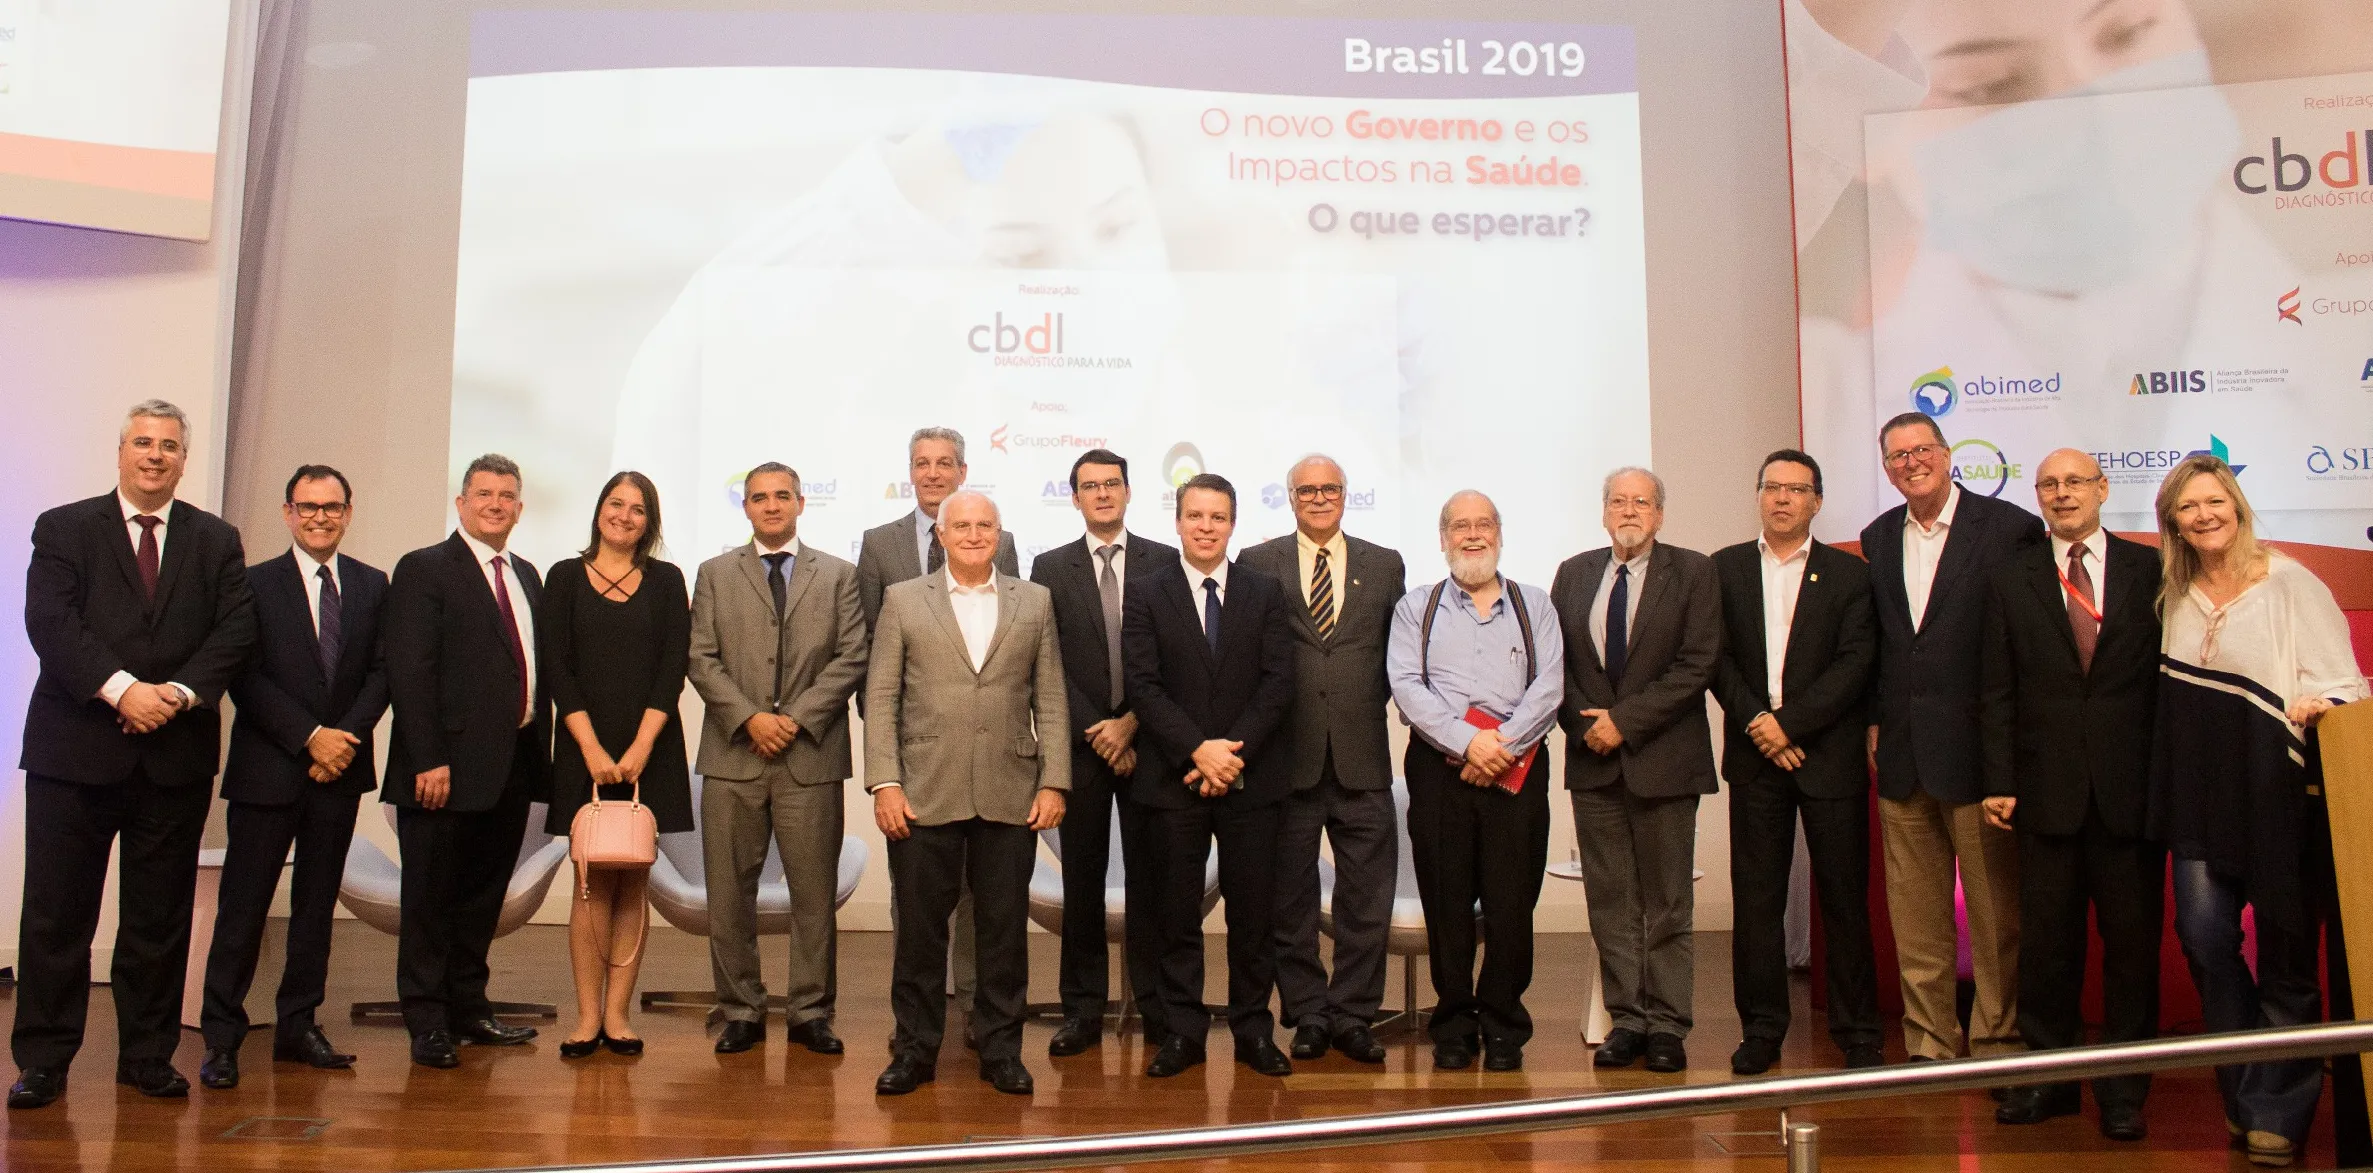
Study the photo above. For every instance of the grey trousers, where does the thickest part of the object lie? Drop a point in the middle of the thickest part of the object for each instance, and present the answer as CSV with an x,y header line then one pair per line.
x,y
1359,824
1637,857
738,816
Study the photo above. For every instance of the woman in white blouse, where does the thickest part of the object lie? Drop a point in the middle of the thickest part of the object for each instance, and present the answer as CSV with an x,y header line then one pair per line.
x,y
2255,652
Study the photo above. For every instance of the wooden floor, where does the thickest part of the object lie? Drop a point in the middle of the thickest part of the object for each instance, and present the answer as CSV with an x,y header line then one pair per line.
x,y
524,1106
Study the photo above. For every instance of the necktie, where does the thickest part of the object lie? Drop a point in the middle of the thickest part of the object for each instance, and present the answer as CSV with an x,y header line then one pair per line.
x,y
939,554
330,628
1211,613
502,603
2081,608
774,579
1322,595
1618,641
1108,591
148,553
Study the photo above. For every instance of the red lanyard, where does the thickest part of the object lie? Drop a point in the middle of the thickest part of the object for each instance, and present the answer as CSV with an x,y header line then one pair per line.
x,y
2090,607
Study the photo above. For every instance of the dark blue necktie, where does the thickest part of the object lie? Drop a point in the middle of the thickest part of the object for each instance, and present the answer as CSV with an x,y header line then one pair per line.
x,y
1618,642
331,629
1211,613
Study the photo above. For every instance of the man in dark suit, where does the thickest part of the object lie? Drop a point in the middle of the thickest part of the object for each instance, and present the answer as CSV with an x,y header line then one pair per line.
x,y
1643,636
1798,649
1090,580
472,749
1338,760
301,760
137,606
2071,676
1210,668
1931,559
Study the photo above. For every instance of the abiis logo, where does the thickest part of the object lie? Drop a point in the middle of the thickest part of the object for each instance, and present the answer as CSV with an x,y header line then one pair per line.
x,y
2168,383
2286,307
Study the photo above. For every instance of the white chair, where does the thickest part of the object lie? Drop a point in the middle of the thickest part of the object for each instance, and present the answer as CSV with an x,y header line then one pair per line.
x,y
679,891
1046,910
372,889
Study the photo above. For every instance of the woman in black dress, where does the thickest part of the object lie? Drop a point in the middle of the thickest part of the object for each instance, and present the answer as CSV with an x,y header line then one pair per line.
x,y
616,630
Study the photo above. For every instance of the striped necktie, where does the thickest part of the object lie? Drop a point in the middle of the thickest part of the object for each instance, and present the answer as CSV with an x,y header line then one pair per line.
x,y
1322,595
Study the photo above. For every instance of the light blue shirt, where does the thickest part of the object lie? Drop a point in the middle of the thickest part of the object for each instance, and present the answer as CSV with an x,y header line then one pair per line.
x,y
1477,663
923,524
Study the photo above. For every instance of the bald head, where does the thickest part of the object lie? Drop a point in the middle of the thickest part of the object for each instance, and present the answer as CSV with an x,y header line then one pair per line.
x,y
2070,490
968,530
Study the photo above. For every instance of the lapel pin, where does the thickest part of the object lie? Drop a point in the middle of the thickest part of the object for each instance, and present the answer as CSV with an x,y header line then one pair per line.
x,y
1812,578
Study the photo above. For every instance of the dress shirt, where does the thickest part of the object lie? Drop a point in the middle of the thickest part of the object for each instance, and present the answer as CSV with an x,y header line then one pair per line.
x,y
791,547
523,617
976,616
923,524
307,574
1782,579
113,691
1923,548
1337,550
1606,585
2096,564
1476,663
1195,579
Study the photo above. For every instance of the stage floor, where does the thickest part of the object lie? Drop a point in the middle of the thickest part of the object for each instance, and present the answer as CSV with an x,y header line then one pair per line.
x,y
524,1106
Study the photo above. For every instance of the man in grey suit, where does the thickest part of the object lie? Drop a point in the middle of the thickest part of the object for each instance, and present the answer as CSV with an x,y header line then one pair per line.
x,y
966,676
1335,752
1643,641
778,647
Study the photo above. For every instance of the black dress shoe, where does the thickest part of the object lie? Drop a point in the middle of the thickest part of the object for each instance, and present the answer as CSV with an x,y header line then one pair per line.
x,y
486,1032
581,1048
435,1049
1075,1036
1359,1044
312,1049
1622,1048
1263,1057
220,1071
1503,1057
2036,1103
1754,1056
1174,1057
1007,1075
153,1078
904,1074
739,1036
1666,1055
1862,1055
1310,1041
629,1046
2123,1122
1454,1054
816,1035
37,1087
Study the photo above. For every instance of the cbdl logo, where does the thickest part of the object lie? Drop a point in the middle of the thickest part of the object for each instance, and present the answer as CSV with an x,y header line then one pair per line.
x,y
998,336
2285,171
1935,393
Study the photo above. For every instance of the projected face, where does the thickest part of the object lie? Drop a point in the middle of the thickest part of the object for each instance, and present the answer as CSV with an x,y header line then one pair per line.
x,y
2071,490
1787,501
969,531
1632,514
1073,195
935,471
317,514
772,503
1102,494
488,507
149,460
1205,523
1996,52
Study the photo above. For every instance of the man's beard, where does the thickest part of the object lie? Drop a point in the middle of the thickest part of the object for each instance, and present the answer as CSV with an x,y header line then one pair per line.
x,y
1473,570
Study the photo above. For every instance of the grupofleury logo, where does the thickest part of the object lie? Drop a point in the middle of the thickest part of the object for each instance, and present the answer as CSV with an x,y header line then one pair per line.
x,y
2286,307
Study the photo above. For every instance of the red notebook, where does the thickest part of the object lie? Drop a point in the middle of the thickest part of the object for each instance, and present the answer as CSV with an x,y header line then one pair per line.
x,y
1513,780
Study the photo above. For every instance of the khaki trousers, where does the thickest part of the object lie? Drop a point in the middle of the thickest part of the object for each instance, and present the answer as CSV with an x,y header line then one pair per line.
x,y
1923,841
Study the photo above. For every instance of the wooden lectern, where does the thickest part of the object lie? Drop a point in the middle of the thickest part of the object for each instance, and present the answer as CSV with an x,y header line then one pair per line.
x,y
2346,734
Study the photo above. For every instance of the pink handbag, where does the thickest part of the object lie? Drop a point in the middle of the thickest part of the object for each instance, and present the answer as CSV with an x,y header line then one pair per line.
x,y
612,835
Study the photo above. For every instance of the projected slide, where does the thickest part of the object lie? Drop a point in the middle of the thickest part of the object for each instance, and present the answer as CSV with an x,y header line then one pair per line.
x,y
1211,244
109,112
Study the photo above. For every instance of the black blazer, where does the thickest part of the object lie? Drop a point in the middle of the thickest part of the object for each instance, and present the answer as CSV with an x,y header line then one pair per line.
x,y
88,618
1926,702
455,687
1833,646
2058,738
1340,688
283,697
1069,573
1183,696
1675,646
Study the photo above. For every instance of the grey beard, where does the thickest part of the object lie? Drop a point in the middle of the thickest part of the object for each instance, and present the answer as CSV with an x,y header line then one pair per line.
x,y
1472,570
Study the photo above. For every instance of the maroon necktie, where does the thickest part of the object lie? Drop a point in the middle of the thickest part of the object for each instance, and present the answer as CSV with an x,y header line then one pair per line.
x,y
2082,610
502,602
148,552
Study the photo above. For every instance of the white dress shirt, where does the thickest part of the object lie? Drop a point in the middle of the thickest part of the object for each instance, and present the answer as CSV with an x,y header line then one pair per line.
x,y
976,616
1338,551
113,691
1195,579
522,617
791,547
2096,563
1631,603
1783,580
1923,548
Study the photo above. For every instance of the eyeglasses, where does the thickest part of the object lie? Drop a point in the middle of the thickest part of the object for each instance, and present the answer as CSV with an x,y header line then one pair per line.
x,y
1108,485
1630,504
967,528
1312,494
1482,527
2072,484
1792,490
1917,452
312,509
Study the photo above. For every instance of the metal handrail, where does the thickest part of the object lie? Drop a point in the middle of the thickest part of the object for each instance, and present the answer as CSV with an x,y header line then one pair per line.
x,y
1603,1108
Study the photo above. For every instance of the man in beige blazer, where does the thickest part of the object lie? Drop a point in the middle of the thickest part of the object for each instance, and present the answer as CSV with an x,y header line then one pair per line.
x,y
778,648
966,680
